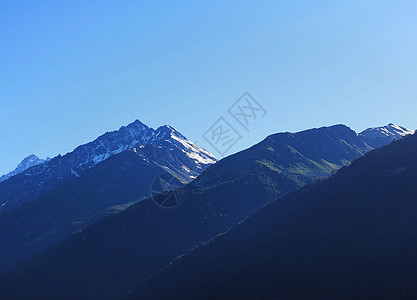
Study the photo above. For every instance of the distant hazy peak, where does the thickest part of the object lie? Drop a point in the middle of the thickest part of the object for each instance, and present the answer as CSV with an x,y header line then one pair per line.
x,y
30,161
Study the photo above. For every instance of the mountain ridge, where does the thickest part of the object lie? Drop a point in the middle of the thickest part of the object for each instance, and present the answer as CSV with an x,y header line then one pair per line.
x,y
143,238
43,177
351,236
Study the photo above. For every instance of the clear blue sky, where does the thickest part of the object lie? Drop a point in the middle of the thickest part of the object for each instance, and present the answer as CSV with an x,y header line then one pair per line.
x,y
72,70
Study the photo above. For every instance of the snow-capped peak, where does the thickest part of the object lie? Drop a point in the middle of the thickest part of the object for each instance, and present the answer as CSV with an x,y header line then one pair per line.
x,y
399,130
165,147
135,134
378,136
391,130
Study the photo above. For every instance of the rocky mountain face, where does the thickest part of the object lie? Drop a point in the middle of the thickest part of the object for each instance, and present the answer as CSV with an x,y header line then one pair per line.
x,y
32,182
120,251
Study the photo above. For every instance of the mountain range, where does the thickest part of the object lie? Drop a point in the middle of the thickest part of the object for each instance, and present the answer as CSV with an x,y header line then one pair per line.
x,y
352,236
122,250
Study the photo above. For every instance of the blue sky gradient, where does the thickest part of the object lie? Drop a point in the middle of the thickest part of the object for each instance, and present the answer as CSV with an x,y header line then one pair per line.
x,y
72,70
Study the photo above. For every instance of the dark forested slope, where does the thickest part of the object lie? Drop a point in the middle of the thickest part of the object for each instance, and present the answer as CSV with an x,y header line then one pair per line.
x,y
352,236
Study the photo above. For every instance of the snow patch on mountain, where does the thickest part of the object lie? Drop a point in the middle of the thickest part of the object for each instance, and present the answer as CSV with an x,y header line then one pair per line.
x,y
195,152
75,173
